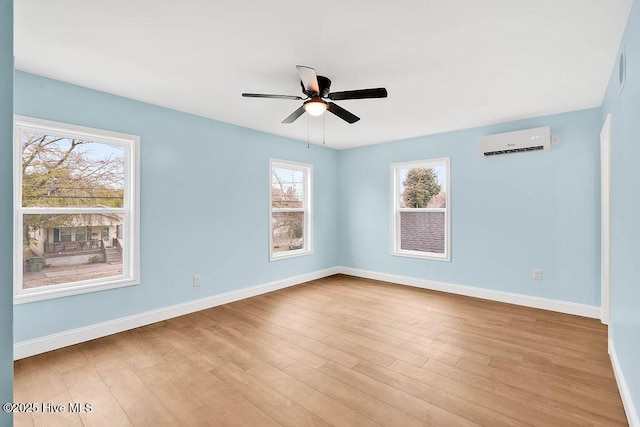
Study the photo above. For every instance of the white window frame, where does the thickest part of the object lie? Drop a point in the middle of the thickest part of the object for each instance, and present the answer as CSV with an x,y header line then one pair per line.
x,y
307,173
396,210
130,210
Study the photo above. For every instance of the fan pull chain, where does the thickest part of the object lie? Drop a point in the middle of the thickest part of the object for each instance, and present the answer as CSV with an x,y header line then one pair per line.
x,y
323,127
308,120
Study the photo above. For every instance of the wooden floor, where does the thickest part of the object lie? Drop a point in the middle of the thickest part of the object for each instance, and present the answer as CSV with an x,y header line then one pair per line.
x,y
337,351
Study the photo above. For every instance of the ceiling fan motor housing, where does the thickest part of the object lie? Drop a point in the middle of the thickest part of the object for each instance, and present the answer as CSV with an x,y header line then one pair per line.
x,y
324,84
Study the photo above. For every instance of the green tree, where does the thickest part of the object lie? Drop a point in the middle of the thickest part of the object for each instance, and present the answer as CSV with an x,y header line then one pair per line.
x,y
420,185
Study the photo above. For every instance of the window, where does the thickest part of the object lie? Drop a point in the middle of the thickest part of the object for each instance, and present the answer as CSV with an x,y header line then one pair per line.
x,y
81,234
65,234
75,187
420,214
290,215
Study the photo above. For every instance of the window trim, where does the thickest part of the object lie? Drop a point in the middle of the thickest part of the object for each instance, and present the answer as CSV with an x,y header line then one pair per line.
x,y
307,170
130,210
396,209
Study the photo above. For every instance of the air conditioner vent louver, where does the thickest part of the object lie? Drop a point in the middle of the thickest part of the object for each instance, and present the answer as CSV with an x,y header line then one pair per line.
x,y
538,139
515,150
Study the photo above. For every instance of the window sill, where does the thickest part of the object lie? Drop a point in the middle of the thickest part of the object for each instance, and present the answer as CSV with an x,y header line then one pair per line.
x,y
423,255
60,291
290,254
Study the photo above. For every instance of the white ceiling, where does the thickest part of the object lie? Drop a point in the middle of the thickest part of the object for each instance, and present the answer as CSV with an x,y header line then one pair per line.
x,y
447,65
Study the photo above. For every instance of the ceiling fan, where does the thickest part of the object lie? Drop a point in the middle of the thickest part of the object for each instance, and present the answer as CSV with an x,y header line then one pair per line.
x,y
316,88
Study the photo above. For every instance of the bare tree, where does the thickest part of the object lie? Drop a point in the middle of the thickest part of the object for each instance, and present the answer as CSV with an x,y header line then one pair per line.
x,y
64,172
56,173
284,195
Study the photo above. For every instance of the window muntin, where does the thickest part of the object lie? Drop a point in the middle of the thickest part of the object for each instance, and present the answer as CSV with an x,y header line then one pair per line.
x,y
420,209
75,187
289,209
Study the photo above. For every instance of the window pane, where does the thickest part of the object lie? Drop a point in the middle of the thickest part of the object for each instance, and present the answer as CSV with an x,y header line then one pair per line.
x,y
59,171
65,234
287,188
422,231
52,257
288,231
80,234
423,186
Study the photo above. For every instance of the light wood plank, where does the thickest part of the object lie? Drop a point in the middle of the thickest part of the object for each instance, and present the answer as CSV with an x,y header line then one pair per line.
x,y
552,391
294,337
138,401
492,395
276,405
270,341
343,334
320,404
353,398
336,351
330,320
440,410
87,386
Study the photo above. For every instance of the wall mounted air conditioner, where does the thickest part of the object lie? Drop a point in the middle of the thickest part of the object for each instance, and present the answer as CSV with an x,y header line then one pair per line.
x,y
538,139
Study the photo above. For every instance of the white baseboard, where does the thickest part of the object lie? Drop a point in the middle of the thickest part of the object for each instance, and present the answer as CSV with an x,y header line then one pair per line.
x,y
75,336
625,394
508,297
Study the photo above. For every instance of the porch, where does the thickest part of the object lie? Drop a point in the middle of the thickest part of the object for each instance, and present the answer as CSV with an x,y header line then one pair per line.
x,y
65,248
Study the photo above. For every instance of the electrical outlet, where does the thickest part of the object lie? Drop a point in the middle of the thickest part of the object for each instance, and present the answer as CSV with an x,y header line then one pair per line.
x,y
537,274
196,280
353,253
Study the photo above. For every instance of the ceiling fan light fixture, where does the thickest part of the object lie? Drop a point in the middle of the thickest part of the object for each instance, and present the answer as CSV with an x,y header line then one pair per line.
x,y
315,107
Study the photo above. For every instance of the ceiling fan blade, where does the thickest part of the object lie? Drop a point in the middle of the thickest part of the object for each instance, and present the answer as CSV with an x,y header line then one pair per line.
x,y
309,78
293,116
342,113
358,94
265,95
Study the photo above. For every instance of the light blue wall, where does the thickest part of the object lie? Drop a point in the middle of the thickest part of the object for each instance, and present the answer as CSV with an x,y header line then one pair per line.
x,y
204,199
509,214
625,207
204,205
6,215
